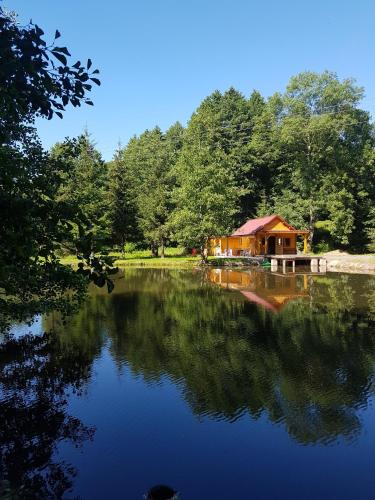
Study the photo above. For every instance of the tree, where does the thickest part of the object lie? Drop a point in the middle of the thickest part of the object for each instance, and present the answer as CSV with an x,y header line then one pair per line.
x,y
147,167
320,137
265,205
35,80
206,197
153,197
225,122
122,202
85,183
155,203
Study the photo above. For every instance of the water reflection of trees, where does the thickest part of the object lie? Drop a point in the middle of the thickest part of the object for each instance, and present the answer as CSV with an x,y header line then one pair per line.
x,y
309,367
36,375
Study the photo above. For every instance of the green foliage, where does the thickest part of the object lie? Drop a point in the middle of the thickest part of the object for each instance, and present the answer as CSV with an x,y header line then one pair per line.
x,y
35,78
306,154
130,248
85,184
318,145
206,198
265,205
370,230
122,204
141,187
35,220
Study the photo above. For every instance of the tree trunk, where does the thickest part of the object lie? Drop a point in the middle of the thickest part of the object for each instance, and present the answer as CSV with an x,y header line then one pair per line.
x,y
311,228
203,251
123,248
162,248
154,250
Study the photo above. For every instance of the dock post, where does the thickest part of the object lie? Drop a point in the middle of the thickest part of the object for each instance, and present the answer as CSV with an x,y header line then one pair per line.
x,y
284,266
322,265
294,265
273,264
314,264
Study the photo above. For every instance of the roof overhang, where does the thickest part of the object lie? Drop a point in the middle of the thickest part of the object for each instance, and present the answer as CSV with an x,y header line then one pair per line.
x,y
292,231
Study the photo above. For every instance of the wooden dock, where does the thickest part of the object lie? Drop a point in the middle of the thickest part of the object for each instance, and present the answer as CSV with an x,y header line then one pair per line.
x,y
316,263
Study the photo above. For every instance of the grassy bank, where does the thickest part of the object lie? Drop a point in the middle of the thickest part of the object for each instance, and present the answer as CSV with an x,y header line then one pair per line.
x,y
173,257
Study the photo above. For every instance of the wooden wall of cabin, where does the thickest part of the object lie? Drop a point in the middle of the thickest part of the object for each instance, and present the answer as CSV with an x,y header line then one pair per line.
x,y
233,243
284,244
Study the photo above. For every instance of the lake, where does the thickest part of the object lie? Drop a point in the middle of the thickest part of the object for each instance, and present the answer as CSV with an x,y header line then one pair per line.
x,y
223,384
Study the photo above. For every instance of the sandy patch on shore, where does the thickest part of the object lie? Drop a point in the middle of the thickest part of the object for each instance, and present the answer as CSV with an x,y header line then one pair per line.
x,y
338,260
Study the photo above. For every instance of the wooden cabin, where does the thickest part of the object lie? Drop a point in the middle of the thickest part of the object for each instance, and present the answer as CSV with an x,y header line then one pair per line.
x,y
271,235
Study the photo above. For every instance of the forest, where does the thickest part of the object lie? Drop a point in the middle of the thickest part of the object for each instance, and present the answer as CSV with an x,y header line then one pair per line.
x,y
306,153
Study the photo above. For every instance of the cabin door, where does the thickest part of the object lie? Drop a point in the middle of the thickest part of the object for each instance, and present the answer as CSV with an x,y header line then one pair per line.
x,y
271,245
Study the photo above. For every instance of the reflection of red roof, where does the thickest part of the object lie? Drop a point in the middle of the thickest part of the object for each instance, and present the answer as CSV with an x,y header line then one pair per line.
x,y
252,226
253,297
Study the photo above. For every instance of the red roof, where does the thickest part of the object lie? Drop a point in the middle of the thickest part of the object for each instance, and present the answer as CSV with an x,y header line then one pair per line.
x,y
252,226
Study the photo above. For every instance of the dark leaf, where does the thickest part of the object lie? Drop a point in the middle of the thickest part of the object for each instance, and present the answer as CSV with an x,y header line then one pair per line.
x,y
89,63
99,280
95,80
60,57
63,50
38,31
57,34
110,285
114,270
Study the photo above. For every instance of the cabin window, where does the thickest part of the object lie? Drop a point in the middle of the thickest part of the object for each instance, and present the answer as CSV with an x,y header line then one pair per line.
x,y
287,242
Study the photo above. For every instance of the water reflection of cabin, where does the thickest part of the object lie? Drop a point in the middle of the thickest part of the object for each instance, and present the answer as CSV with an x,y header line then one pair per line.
x,y
270,235
265,289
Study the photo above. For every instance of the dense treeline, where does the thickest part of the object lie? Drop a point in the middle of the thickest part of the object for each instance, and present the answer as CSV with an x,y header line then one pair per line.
x,y
307,154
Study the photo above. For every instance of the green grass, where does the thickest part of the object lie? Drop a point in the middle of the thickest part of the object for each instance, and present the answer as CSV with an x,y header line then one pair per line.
x,y
173,257
158,261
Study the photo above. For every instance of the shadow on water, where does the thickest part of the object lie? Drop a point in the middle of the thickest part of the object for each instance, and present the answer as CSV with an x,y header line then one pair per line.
x,y
299,350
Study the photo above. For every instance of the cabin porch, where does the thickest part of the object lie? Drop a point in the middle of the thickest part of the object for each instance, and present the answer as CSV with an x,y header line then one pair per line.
x,y
263,243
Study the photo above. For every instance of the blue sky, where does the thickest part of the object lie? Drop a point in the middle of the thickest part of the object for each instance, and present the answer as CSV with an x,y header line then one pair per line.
x,y
159,58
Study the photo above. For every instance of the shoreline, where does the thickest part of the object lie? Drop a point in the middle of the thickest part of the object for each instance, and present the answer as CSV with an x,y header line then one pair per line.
x,y
336,262
341,261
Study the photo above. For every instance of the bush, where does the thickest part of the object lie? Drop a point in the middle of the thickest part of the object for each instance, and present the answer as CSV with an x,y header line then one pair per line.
x,y
322,247
130,247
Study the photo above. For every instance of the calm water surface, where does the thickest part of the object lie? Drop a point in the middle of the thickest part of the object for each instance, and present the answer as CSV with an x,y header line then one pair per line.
x,y
223,385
